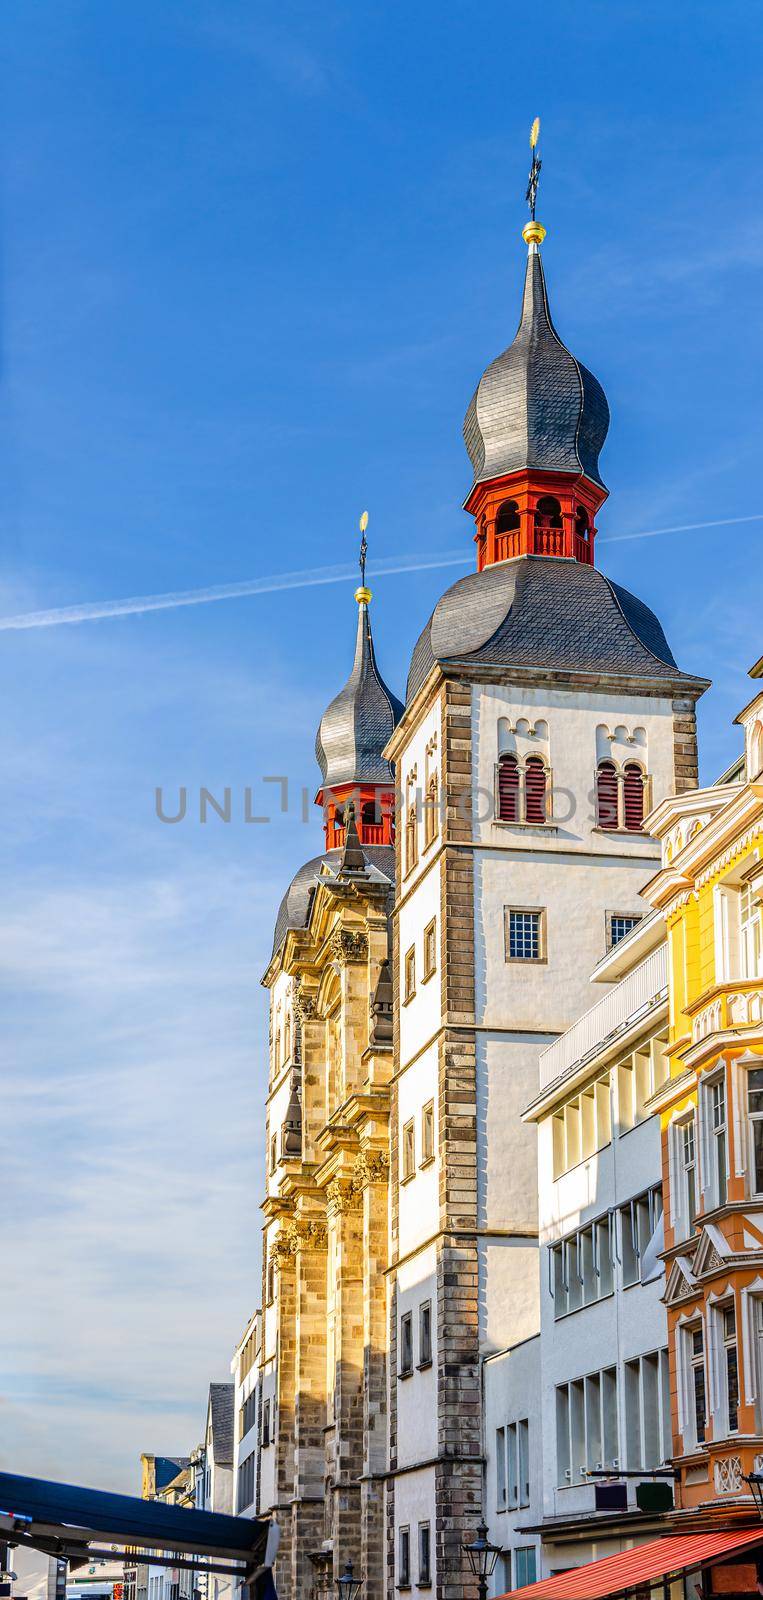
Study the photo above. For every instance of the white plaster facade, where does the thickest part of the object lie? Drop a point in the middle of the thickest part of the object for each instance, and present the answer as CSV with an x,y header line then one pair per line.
x,y
511,1387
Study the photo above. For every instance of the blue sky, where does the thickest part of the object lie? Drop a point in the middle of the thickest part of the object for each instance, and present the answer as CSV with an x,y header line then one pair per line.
x,y
254,259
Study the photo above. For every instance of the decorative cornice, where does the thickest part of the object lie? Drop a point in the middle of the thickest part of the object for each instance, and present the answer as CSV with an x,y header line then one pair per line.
x,y
307,1233
305,1005
348,947
342,1197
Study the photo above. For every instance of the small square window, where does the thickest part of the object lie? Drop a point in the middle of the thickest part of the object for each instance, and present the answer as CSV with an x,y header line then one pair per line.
x,y
525,933
430,948
425,1334
406,1344
410,974
404,1559
619,925
427,1133
425,1555
409,1151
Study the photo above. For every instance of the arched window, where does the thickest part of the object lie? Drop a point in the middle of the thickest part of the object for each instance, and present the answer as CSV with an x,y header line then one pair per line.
x,y
756,751
411,840
508,517
508,789
535,790
431,819
368,813
582,524
633,797
548,512
607,786
338,817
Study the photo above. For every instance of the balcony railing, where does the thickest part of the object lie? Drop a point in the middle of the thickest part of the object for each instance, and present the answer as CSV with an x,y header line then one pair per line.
x,y
635,995
736,1005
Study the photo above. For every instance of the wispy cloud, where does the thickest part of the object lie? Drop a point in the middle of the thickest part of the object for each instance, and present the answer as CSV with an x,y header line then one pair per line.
x,y
137,605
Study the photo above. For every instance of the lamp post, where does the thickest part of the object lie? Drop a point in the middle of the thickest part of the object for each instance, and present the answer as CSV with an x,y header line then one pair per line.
x,y
348,1587
755,1480
482,1558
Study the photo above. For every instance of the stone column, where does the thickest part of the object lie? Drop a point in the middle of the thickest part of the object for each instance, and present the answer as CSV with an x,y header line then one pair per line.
x,y
284,1420
345,1210
308,1235
372,1174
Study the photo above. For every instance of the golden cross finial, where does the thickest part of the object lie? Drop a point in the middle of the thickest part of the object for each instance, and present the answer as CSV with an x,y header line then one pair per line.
x,y
532,185
363,595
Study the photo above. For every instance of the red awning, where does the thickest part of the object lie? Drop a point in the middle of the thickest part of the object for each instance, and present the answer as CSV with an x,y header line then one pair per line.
x,y
613,1575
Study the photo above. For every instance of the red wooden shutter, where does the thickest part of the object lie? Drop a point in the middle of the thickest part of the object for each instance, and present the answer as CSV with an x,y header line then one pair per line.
x,y
508,789
535,790
606,795
633,797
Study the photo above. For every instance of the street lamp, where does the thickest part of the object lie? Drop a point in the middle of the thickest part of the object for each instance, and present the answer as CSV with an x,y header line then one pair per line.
x,y
347,1587
755,1480
482,1558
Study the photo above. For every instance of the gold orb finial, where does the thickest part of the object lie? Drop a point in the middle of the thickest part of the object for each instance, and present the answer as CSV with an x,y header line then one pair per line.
x,y
533,232
363,596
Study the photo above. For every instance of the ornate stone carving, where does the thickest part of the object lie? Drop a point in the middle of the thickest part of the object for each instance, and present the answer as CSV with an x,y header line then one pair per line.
x,y
304,1004
282,1249
728,1475
343,1195
371,1166
348,947
307,1233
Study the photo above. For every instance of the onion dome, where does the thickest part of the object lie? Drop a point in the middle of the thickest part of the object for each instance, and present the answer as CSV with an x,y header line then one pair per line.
x,y
547,615
536,407
360,720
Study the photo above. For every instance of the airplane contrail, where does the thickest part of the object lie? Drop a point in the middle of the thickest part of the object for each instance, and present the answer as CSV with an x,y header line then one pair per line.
x,y
137,605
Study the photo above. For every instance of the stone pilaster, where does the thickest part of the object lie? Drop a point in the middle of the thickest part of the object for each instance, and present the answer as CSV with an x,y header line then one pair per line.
x,y
372,1173
685,758
345,1211
284,1420
308,1241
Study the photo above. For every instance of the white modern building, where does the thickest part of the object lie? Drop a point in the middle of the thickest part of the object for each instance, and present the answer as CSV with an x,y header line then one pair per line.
x,y
249,1424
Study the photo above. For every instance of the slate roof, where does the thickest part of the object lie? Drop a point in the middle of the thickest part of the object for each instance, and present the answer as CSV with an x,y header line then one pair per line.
x,y
221,1411
359,721
536,405
294,909
548,614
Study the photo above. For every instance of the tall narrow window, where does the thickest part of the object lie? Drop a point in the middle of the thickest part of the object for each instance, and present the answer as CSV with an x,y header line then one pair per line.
x,y
425,1555
287,1039
266,1424
508,517
500,1468
535,790
689,1169
425,1334
427,1133
697,1382
755,1111
411,840
508,789
409,1150
718,1134
633,797
731,1367
751,936
406,1344
431,810
404,1559
607,787
410,974
430,948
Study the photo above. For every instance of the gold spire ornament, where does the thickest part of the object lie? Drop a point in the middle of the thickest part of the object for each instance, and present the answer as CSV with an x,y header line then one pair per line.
x,y
363,595
533,232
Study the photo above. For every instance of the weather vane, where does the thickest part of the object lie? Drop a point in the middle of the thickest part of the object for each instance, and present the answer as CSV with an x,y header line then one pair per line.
x,y
532,185
363,547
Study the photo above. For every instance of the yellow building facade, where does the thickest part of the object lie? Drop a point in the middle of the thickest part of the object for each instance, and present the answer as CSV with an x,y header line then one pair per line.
x,y
710,890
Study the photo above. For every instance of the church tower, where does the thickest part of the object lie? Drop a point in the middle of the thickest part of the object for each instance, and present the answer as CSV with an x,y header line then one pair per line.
x,y
323,1427
544,715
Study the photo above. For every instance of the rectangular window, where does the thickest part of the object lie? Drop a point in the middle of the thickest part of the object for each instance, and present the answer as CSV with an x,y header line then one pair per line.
x,y
425,1334
582,1126
689,1169
755,1113
512,1467
409,1150
751,933
523,1458
525,933
245,1482
404,1558
273,1152
647,1411
581,1269
406,1344
719,1140
266,1424
270,1286
500,1468
430,948
696,1346
427,1133
619,923
638,1221
431,809
524,1565
425,1555
586,1425
410,974
731,1367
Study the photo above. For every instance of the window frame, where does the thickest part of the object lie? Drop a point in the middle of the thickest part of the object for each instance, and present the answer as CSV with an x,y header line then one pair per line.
x,y
633,917
424,1580
266,1439
405,1364
429,968
409,975
408,1150
425,1340
404,1565
539,913
427,1143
